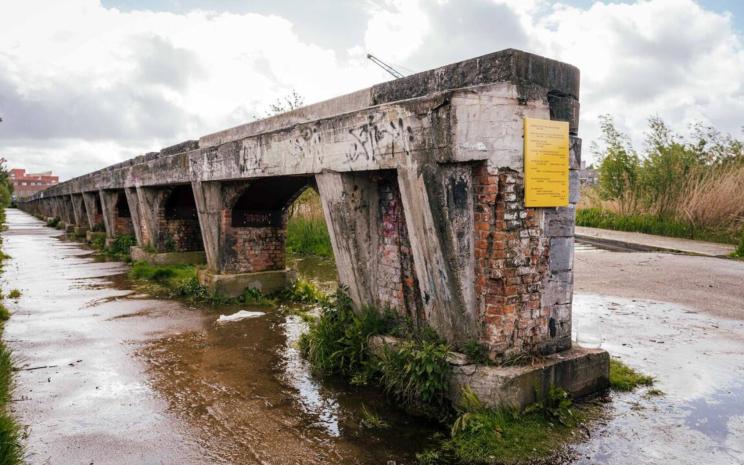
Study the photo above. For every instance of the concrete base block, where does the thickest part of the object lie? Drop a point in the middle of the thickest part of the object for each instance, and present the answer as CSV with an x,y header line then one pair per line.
x,y
80,231
69,228
168,258
91,236
580,371
233,285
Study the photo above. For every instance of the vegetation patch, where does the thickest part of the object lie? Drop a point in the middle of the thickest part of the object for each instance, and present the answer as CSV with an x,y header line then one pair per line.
x,y
739,252
624,378
119,248
689,186
180,281
53,222
415,373
10,447
649,224
307,233
14,294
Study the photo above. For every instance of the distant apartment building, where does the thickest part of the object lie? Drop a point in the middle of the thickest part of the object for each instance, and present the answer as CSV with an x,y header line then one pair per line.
x,y
25,184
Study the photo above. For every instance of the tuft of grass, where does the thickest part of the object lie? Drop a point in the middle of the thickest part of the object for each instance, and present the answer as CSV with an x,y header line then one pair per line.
x,y
303,291
337,342
307,233
739,252
482,435
119,248
416,373
624,378
14,294
476,352
4,313
308,236
371,420
98,242
53,223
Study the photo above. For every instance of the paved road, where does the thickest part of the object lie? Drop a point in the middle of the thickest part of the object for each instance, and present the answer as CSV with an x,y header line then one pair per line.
x,y
652,242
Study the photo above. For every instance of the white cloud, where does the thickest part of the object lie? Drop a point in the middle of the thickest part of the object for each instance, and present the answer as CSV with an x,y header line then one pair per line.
x,y
78,76
82,86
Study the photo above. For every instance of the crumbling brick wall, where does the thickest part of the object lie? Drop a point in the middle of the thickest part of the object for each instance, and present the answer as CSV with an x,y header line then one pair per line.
x,y
123,225
178,234
398,287
511,264
252,249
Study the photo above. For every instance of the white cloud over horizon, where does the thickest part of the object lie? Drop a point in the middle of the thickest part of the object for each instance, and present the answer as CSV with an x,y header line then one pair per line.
x,y
83,86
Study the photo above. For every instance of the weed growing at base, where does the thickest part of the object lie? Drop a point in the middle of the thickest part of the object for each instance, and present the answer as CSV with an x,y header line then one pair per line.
x,y
416,374
624,378
180,281
119,247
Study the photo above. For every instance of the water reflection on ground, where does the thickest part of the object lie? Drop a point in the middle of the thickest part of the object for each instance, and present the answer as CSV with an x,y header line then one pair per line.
x,y
110,376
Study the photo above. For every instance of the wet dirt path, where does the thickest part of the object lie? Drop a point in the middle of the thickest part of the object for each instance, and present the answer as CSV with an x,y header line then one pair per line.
x,y
109,377
680,319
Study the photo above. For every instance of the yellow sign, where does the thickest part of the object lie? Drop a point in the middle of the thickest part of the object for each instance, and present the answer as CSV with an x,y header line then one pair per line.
x,y
545,163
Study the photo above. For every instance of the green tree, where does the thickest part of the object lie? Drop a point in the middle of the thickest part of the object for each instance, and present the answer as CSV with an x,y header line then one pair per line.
x,y
668,162
619,166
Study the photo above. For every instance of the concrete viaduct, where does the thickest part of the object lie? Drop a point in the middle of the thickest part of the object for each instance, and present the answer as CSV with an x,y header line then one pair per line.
x,y
422,185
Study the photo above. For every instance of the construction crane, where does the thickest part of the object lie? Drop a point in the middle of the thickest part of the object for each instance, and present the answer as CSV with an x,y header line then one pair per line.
x,y
394,72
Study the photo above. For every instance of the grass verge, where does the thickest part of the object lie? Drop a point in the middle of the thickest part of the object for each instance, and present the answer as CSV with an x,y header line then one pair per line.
x,y
10,447
649,224
624,378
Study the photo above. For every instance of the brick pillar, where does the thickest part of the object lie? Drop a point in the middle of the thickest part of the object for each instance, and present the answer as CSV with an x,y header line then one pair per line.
x,y
116,217
178,221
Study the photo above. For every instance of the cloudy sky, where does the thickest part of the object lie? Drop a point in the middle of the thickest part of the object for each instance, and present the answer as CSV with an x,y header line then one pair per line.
x,y
87,83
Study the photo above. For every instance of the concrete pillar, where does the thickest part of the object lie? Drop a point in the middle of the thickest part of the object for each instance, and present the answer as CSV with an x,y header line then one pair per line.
x,y
370,240
437,202
79,214
135,209
210,205
116,215
93,209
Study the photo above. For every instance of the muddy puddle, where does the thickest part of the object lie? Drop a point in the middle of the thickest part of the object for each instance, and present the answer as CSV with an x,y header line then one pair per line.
x,y
109,376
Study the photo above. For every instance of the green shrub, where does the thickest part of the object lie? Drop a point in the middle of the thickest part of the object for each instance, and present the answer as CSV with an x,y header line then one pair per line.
x,y
14,294
337,342
4,313
98,242
416,372
624,378
191,289
119,248
52,223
